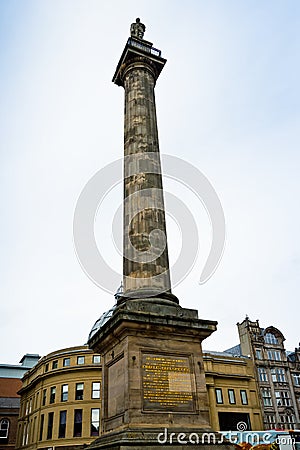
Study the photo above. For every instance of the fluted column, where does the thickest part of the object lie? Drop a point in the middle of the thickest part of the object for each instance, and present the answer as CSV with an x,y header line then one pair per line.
x,y
145,252
145,261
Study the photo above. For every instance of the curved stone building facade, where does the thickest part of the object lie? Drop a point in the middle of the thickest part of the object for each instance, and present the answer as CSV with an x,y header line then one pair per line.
x,y
60,401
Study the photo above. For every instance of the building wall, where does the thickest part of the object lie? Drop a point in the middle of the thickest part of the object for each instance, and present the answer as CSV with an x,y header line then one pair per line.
x,y
232,390
279,395
294,366
40,406
10,383
9,411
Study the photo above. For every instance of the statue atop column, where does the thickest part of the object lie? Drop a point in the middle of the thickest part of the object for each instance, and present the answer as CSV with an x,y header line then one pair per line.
x,y
137,29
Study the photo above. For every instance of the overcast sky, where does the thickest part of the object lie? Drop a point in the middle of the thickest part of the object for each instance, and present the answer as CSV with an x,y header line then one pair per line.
x,y
228,102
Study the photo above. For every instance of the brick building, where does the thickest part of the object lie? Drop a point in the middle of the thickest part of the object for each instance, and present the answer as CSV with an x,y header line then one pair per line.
x,y
10,384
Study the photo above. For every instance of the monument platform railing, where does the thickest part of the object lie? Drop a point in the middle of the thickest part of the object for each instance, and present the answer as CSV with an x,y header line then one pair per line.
x,y
145,48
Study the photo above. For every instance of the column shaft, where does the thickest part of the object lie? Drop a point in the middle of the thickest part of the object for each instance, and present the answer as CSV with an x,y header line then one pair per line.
x,y
145,262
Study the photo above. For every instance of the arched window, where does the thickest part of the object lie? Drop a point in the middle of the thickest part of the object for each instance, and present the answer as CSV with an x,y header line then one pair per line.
x,y
4,427
271,339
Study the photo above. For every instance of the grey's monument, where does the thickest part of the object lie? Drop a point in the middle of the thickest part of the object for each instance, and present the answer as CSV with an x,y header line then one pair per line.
x,y
152,365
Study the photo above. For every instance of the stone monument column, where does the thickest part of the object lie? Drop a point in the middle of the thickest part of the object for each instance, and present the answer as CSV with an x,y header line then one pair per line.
x,y
153,382
145,258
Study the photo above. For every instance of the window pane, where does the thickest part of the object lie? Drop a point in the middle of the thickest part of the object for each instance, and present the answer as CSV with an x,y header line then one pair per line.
x,y
96,359
24,435
44,396
219,396
37,400
258,354
80,359
64,392
271,339
296,377
262,374
95,421
231,396
4,426
271,419
96,390
62,424
79,391
244,398
277,355
281,375
66,362
52,394
286,398
77,422
41,427
54,364
50,425
266,394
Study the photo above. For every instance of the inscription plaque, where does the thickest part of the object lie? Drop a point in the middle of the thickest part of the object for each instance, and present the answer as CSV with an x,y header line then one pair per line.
x,y
167,383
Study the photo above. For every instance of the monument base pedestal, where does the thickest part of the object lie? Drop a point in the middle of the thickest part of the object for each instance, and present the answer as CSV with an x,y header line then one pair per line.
x,y
176,439
153,382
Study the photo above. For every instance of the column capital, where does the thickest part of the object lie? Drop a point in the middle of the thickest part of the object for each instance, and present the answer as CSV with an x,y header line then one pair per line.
x,y
139,51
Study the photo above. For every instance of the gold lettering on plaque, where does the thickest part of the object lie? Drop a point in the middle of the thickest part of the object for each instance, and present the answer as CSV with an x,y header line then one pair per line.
x,y
180,382
167,383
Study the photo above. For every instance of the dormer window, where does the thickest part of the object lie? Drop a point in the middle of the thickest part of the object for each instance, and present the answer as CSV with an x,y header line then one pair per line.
x,y
271,339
